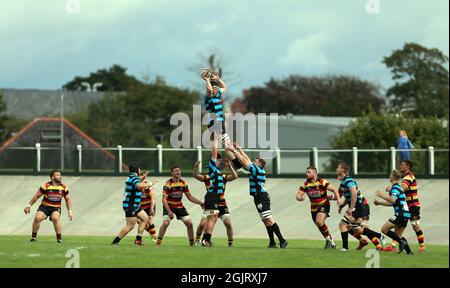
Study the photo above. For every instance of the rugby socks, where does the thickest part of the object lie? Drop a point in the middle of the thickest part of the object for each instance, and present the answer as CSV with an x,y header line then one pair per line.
x,y
197,237
58,237
393,236
353,234
116,240
420,238
33,235
158,241
374,237
207,237
324,230
344,236
270,233
151,230
230,242
277,232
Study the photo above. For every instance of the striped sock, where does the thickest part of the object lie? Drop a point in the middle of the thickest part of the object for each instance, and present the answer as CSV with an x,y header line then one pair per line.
x,y
324,230
197,237
374,237
420,238
230,242
152,231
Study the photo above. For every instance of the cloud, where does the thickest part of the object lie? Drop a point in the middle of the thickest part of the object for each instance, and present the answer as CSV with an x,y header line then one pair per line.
x,y
308,52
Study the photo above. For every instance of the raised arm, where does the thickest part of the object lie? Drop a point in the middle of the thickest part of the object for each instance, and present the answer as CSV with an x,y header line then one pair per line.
x,y
208,86
195,172
234,174
240,155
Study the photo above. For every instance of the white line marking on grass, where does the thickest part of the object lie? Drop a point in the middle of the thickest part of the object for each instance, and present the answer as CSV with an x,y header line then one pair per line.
x,y
34,255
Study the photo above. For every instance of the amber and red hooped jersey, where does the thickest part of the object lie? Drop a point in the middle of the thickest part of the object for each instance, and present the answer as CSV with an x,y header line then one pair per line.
x,y
317,192
207,182
146,198
412,197
174,192
53,194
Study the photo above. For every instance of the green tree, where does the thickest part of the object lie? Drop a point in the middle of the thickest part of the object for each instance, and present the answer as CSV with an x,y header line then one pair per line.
x,y
421,86
373,131
113,79
326,96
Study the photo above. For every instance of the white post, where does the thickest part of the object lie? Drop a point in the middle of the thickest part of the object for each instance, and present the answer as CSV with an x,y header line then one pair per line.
x,y
278,159
119,152
431,151
393,158
316,158
79,149
38,157
355,160
160,158
199,157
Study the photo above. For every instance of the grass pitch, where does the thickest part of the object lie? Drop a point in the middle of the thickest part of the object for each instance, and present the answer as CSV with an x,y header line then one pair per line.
x,y
96,251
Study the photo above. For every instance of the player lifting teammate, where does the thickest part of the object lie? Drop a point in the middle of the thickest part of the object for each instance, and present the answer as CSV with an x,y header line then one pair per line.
x,y
53,192
397,200
224,213
257,179
316,188
173,192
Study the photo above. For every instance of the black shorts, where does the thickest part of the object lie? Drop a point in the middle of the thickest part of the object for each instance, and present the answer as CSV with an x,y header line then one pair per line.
x,y
359,212
262,204
223,210
180,213
47,210
322,209
147,210
399,221
415,212
132,213
211,201
366,212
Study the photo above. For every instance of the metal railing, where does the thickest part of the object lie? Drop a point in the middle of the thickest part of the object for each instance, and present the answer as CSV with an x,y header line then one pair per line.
x,y
78,160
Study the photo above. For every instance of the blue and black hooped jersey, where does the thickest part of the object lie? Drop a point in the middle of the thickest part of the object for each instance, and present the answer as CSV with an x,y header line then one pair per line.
x,y
400,205
132,195
257,179
215,178
345,186
214,105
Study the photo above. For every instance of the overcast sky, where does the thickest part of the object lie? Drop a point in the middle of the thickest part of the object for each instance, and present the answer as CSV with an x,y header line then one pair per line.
x,y
44,44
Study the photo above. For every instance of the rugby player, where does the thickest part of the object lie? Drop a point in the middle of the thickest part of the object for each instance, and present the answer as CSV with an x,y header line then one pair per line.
x,y
173,192
397,200
257,179
353,217
224,213
131,205
53,192
148,204
316,188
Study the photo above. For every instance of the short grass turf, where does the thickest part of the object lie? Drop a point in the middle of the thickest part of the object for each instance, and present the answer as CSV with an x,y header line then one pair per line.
x,y
96,251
